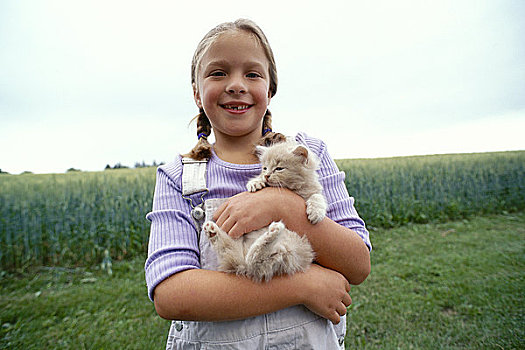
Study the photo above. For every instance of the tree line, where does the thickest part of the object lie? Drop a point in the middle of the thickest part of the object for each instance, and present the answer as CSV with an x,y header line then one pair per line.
x,y
119,165
142,164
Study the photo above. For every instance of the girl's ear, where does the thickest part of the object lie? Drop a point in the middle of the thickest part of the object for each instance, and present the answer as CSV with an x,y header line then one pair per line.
x,y
269,98
301,152
196,96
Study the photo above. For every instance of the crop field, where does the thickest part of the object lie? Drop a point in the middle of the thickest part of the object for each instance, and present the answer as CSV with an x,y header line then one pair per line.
x,y
70,219
420,189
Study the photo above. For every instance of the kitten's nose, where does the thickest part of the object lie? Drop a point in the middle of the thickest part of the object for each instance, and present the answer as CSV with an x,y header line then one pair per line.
x,y
266,177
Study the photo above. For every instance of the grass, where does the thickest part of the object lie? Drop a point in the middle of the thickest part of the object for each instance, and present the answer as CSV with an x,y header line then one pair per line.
x,y
453,285
456,285
60,308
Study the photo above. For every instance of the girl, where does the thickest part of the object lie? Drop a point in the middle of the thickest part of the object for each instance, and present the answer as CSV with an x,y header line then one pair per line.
x,y
234,78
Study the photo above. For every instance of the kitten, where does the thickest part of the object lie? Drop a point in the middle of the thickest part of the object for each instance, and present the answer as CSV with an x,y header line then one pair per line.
x,y
274,250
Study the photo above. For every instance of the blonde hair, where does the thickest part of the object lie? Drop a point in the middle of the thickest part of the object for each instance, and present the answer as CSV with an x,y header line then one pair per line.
x,y
202,150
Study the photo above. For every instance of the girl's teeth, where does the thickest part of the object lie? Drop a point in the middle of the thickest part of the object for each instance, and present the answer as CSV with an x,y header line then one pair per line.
x,y
238,108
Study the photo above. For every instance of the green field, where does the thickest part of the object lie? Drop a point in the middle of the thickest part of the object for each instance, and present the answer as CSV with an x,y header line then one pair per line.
x,y
70,219
394,191
452,285
447,272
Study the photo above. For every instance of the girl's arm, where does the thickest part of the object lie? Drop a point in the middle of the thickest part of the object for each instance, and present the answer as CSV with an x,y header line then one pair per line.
x,y
336,247
204,295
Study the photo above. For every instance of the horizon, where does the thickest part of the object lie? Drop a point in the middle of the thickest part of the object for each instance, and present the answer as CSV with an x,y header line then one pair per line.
x,y
143,164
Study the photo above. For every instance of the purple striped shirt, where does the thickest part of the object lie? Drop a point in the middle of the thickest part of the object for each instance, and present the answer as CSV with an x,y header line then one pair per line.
x,y
173,245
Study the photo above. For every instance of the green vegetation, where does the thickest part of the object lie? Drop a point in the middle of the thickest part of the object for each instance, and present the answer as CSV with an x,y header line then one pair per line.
x,y
78,308
70,219
437,284
393,191
454,285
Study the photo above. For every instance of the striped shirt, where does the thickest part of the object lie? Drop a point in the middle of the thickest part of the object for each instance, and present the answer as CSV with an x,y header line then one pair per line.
x,y
173,245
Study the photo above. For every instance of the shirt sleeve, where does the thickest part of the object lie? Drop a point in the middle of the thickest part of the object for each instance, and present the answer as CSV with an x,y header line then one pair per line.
x,y
173,246
340,205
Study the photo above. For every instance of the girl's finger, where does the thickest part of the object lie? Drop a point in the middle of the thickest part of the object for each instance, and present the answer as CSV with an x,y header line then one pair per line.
x,y
335,318
219,212
347,300
219,220
227,224
341,309
236,231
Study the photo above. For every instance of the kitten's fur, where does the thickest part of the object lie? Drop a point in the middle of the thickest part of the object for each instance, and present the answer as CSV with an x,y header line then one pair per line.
x,y
274,250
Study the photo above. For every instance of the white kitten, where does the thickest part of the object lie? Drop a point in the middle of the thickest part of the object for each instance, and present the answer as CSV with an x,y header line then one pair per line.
x,y
274,250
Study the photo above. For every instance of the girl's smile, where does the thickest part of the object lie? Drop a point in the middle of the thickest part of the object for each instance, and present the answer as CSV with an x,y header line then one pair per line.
x,y
232,108
233,85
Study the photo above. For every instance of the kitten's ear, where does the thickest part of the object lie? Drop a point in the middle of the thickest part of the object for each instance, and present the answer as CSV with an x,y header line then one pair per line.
x,y
302,152
259,151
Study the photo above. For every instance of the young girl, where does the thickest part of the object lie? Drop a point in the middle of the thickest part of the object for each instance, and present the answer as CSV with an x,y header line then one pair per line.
x,y
234,78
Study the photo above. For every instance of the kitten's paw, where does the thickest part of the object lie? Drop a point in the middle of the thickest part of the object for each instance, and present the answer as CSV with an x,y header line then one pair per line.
x,y
255,184
210,228
316,208
315,216
275,227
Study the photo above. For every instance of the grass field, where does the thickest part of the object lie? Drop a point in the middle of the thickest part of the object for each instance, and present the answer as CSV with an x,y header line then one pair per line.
x,y
455,285
452,285
71,219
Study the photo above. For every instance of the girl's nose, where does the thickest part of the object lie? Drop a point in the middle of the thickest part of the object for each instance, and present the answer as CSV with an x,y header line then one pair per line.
x,y
236,91
236,86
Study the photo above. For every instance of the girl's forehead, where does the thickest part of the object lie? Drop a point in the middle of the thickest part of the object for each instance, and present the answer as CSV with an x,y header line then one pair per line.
x,y
235,44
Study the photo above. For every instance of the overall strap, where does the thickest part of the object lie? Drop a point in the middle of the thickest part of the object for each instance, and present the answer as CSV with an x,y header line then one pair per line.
x,y
193,176
194,181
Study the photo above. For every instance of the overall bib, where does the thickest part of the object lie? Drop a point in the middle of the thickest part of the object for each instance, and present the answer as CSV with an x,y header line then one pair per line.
x,y
295,327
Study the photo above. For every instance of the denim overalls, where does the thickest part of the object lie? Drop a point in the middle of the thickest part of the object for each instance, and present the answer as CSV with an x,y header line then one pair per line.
x,y
292,328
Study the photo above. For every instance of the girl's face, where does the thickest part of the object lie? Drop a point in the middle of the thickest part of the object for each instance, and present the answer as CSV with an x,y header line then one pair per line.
x,y
233,85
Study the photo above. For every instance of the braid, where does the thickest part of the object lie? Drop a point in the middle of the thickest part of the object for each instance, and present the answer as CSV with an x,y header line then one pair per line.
x,y
202,149
268,136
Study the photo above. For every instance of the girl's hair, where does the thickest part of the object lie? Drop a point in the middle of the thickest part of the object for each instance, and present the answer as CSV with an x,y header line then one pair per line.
x,y
202,149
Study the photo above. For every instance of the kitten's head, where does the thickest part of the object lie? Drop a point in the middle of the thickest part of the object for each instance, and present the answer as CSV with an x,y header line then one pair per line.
x,y
286,164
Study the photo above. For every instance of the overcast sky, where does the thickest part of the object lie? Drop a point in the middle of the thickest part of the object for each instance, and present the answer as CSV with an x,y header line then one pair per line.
x,y
89,83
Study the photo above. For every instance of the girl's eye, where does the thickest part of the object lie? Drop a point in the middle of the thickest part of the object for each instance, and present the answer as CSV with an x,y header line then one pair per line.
x,y
217,74
253,75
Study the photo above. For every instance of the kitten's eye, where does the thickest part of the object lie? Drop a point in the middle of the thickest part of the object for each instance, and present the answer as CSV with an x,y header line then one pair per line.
x,y
279,169
265,168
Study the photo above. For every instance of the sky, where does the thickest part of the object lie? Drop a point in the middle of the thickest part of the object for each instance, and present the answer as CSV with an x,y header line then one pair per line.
x,y
89,83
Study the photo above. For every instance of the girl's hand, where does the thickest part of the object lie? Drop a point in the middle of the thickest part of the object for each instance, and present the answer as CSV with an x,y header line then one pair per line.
x,y
325,292
249,211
